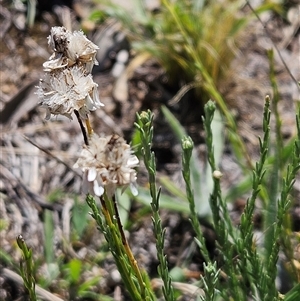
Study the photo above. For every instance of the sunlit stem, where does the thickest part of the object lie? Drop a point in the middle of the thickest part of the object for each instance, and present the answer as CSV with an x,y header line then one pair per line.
x,y
127,248
111,214
88,127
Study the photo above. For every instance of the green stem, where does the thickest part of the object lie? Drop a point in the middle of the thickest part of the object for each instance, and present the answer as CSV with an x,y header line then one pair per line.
x,y
145,127
27,270
114,240
128,250
187,147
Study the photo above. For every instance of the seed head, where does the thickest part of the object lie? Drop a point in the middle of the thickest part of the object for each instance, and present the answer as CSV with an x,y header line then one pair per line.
x,y
108,163
63,91
70,48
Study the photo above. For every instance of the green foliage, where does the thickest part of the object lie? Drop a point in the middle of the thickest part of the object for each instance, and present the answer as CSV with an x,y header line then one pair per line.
x,y
31,12
5,257
166,201
201,180
108,221
49,236
252,269
74,267
80,217
183,32
124,202
26,268
77,287
187,147
194,41
210,282
244,270
249,269
145,126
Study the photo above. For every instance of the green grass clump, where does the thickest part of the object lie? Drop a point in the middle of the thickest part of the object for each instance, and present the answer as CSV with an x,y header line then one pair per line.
x,y
189,38
195,41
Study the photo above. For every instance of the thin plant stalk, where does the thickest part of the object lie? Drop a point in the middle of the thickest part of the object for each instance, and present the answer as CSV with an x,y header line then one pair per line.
x,y
83,130
114,239
187,147
31,12
89,127
223,226
218,205
250,262
284,201
145,126
26,269
111,214
127,248
271,208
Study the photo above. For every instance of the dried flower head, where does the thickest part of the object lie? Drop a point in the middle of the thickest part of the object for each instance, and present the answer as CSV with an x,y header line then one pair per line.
x,y
108,163
63,91
70,48
59,39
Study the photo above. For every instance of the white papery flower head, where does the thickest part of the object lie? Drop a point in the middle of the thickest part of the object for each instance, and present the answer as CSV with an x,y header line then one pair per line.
x,y
63,91
82,50
108,163
70,48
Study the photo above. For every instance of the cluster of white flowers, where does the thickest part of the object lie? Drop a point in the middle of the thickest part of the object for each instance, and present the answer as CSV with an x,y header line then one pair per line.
x,y
108,163
68,84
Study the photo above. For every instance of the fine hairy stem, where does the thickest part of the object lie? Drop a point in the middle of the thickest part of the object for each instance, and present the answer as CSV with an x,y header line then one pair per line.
x,y
221,218
145,127
187,147
249,258
219,208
